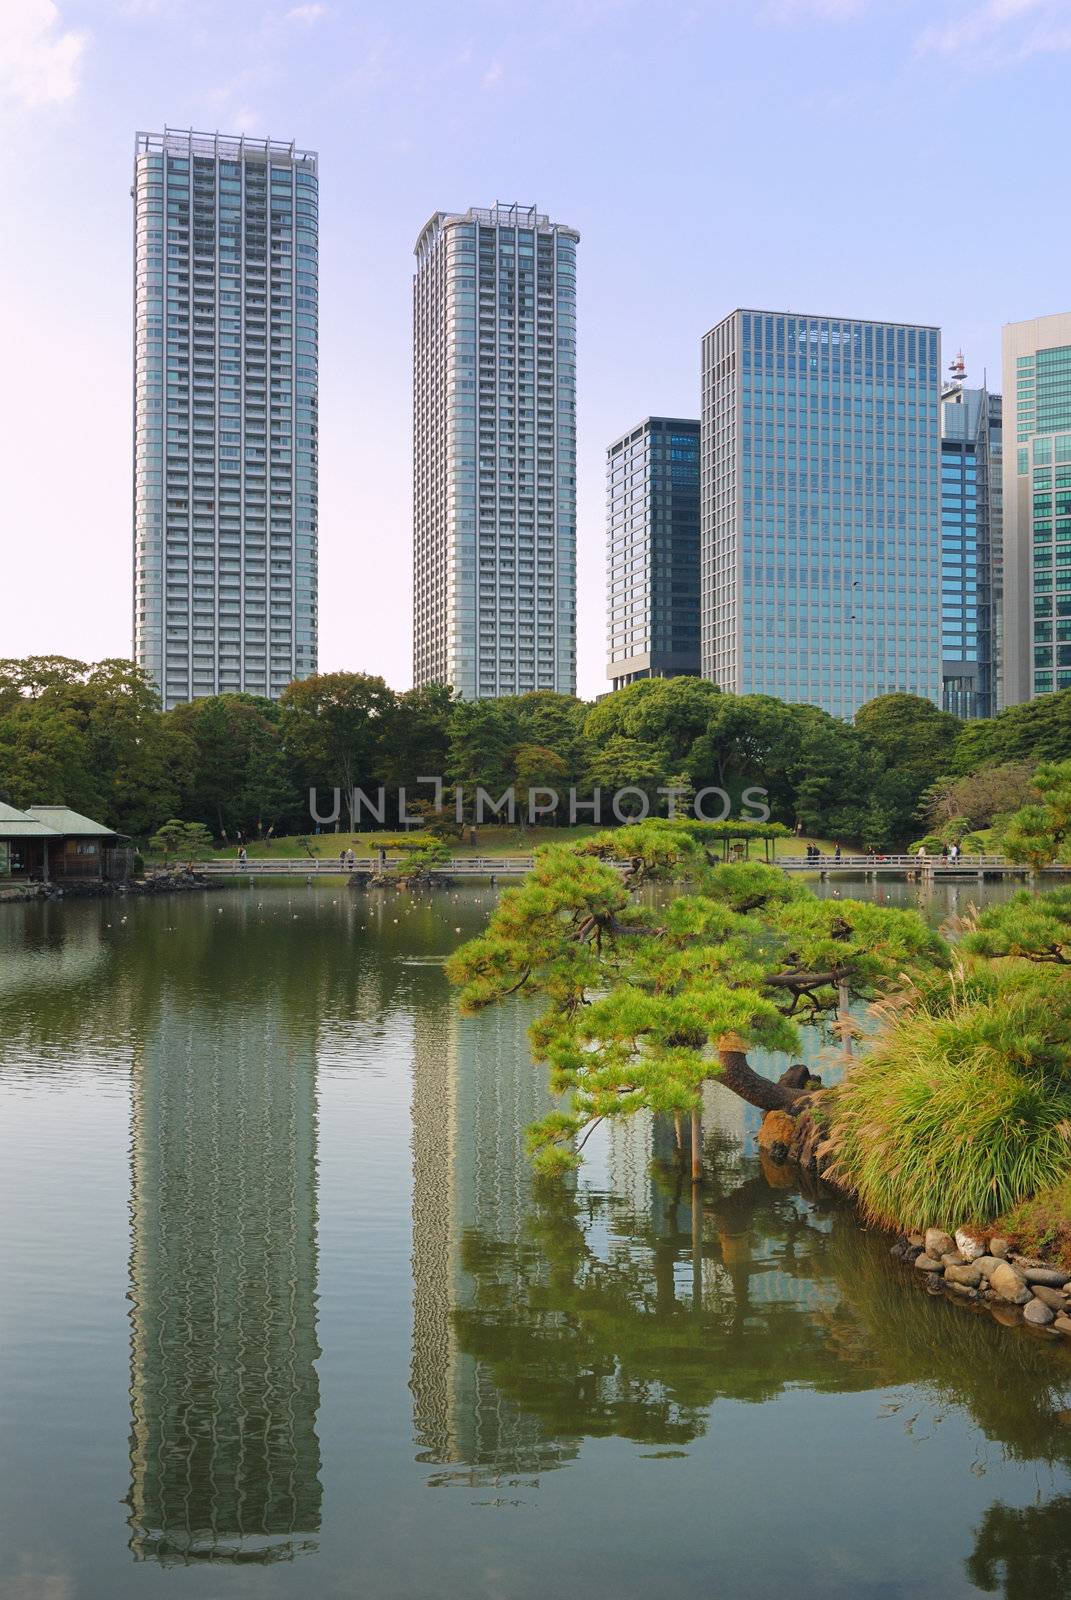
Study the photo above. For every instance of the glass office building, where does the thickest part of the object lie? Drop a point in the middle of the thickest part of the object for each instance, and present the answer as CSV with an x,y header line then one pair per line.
x,y
971,496
494,453
652,551
225,413
820,509
1037,508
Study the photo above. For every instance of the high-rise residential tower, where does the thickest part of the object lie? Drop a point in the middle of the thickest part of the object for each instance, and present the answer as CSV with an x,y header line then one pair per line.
x,y
1037,508
225,413
652,551
494,453
820,508
971,565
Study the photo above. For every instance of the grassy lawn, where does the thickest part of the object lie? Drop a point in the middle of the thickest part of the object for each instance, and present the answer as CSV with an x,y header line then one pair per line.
x,y
490,842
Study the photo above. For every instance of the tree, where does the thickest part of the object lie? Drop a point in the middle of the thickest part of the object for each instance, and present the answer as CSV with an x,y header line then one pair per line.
x,y
645,1003
915,742
417,854
979,796
237,779
483,736
1031,927
44,758
556,722
1038,834
334,729
1039,730
417,739
183,840
535,766
623,762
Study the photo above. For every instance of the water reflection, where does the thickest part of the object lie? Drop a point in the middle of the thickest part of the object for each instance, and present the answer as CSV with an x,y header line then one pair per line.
x,y
474,1092
224,1456
613,1306
1023,1553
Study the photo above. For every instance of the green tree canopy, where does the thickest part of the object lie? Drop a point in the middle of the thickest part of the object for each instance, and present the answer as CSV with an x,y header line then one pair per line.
x,y
335,727
644,1003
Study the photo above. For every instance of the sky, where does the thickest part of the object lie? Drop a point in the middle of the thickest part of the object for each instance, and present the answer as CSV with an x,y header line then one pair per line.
x,y
895,159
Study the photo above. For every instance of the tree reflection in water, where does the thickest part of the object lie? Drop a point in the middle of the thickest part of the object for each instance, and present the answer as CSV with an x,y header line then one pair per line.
x,y
612,1319
1024,1553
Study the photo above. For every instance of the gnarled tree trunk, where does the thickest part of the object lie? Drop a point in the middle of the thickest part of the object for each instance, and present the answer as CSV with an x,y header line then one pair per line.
x,y
743,1080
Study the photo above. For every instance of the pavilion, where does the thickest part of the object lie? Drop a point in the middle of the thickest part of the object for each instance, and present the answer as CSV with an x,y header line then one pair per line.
x,y
53,844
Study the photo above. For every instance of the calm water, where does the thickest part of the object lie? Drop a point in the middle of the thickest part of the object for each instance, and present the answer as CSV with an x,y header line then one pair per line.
x,y
283,1314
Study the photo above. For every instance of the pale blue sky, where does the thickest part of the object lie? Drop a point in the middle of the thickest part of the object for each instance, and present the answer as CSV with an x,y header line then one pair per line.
x,y
901,159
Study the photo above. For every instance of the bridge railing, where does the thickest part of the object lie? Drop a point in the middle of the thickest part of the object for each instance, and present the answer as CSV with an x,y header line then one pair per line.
x,y
513,866
827,862
303,866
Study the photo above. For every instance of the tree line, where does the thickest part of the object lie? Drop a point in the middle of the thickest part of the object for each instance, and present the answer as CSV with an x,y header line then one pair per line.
x,y
93,736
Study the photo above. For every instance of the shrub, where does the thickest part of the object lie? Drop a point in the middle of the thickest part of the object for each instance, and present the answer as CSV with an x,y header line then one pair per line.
x,y
963,1108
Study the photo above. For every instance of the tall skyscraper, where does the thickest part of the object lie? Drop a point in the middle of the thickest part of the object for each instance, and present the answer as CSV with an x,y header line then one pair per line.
x,y
820,509
652,551
971,565
1037,508
494,453
225,413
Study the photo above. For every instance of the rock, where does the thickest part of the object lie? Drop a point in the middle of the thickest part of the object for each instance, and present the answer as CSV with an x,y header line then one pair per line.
x,y
1008,1315
1049,1297
968,1274
952,1258
1037,1313
795,1077
969,1248
963,1289
1063,1325
776,1134
987,1264
1000,1247
1008,1283
926,1263
1046,1275
917,1239
938,1243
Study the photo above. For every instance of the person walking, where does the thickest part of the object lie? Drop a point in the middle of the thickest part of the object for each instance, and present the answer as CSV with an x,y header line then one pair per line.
x,y
243,858
350,858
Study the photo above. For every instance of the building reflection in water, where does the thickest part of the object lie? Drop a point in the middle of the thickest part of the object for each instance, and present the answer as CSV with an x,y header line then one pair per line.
x,y
474,1093
225,1459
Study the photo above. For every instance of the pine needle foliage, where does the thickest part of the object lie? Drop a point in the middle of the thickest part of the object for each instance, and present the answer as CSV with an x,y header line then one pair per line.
x,y
1034,926
644,1002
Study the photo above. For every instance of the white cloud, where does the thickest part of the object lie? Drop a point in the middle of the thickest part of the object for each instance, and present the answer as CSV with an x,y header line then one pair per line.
x,y
40,61
1000,31
313,11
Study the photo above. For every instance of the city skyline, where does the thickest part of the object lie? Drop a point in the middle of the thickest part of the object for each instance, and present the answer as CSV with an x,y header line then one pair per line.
x,y
83,74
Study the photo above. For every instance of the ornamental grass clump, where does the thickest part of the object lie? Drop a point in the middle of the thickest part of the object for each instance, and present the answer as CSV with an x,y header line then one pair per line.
x,y
960,1110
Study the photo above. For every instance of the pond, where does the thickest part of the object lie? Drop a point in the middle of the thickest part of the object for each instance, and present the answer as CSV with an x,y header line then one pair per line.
x,y
282,1307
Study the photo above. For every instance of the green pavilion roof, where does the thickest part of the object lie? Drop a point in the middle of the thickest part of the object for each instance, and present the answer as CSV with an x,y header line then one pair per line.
x,y
20,825
70,824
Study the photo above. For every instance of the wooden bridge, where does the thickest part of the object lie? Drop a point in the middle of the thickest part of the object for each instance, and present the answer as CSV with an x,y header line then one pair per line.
x,y
930,868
